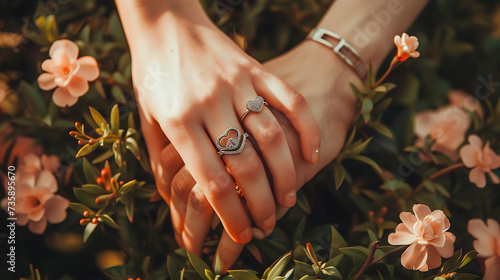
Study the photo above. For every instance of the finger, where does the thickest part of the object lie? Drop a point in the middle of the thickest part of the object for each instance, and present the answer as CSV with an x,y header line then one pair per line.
x,y
228,251
285,99
156,141
248,170
201,158
274,148
199,217
182,183
172,163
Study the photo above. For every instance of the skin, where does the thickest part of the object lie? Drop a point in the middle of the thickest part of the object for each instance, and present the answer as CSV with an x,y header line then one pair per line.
x,y
323,80
195,97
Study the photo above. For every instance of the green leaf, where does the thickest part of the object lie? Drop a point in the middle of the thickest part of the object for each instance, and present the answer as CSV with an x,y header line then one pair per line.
x,y
145,264
401,188
368,161
242,275
381,106
337,242
91,173
130,209
115,119
382,129
358,254
89,229
209,274
199,265
115,28
366,106
332,271
465,276
33,98
133,147
118,95
127,187
109,221
468,258
356,91
118,152
366,117
338,174
85,198
104,156
218,264
303,202
98,118
86,149
452,263
358,148
442,190
93,189
302,267
173,272
162,215
279,266
80,208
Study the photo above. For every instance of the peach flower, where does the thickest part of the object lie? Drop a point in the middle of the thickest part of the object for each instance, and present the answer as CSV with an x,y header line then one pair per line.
x,y
406,46
487,245
36,202
19,146
446,126
481,159
67,72
464,100
426,232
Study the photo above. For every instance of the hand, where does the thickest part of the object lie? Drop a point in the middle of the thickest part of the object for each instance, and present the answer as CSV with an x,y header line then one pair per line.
x,y
323,79
199,91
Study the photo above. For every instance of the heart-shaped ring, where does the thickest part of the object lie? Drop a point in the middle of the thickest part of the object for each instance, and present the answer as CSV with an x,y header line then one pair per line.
x,y
233,145
254,106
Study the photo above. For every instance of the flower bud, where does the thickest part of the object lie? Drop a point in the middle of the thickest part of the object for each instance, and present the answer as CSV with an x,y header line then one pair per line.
x,y
84,222
91,141
380,221
94,221
105,173
72,133
82,142
86,213
383,210
102,199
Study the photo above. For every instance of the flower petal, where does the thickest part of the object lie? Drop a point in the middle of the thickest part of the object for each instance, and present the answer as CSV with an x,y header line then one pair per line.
x,y
62,98
424,123
467,154
494,177
50,163
408,219
36,214
477,177
38,227
414,257
46,179
55,209
49,65
65,45
78,86
492,268
433,258
493,227
89,70
402,236
447,250
478,229
46,81
22,219
421,211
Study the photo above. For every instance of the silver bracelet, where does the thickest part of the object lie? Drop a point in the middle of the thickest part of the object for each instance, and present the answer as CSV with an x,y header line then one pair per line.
x,y
341,48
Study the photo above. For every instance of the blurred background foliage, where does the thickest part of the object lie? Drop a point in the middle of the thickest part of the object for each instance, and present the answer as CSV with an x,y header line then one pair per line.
x,y
459,43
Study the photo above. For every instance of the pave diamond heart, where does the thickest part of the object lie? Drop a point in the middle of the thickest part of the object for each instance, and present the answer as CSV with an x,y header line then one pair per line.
x,y
232,143
256,104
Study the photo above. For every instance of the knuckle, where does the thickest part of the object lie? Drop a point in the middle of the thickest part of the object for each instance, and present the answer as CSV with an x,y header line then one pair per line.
x,y
219,186
271,135
251,167
297,101
197,200
180,187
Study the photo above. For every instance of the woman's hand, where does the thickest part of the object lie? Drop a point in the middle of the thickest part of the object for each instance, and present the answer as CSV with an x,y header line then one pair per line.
x,y
192,83
323,79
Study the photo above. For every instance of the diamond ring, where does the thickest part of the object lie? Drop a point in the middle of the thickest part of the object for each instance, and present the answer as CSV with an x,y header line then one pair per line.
x,y
230,145
255,105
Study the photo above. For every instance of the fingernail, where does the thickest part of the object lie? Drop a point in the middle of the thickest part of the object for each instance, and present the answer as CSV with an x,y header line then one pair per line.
x,y
257,233
315,156
290,199
246,235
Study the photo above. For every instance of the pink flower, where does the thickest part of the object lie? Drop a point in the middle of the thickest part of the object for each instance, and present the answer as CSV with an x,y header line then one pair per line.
x,y
69,74
487,245
463,100
21,146
36,202
426,232
482,160
406,46
446,126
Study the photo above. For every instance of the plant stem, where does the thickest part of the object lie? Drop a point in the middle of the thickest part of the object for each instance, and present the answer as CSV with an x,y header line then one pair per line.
x,y
394,63
391,252
438,174
368,261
